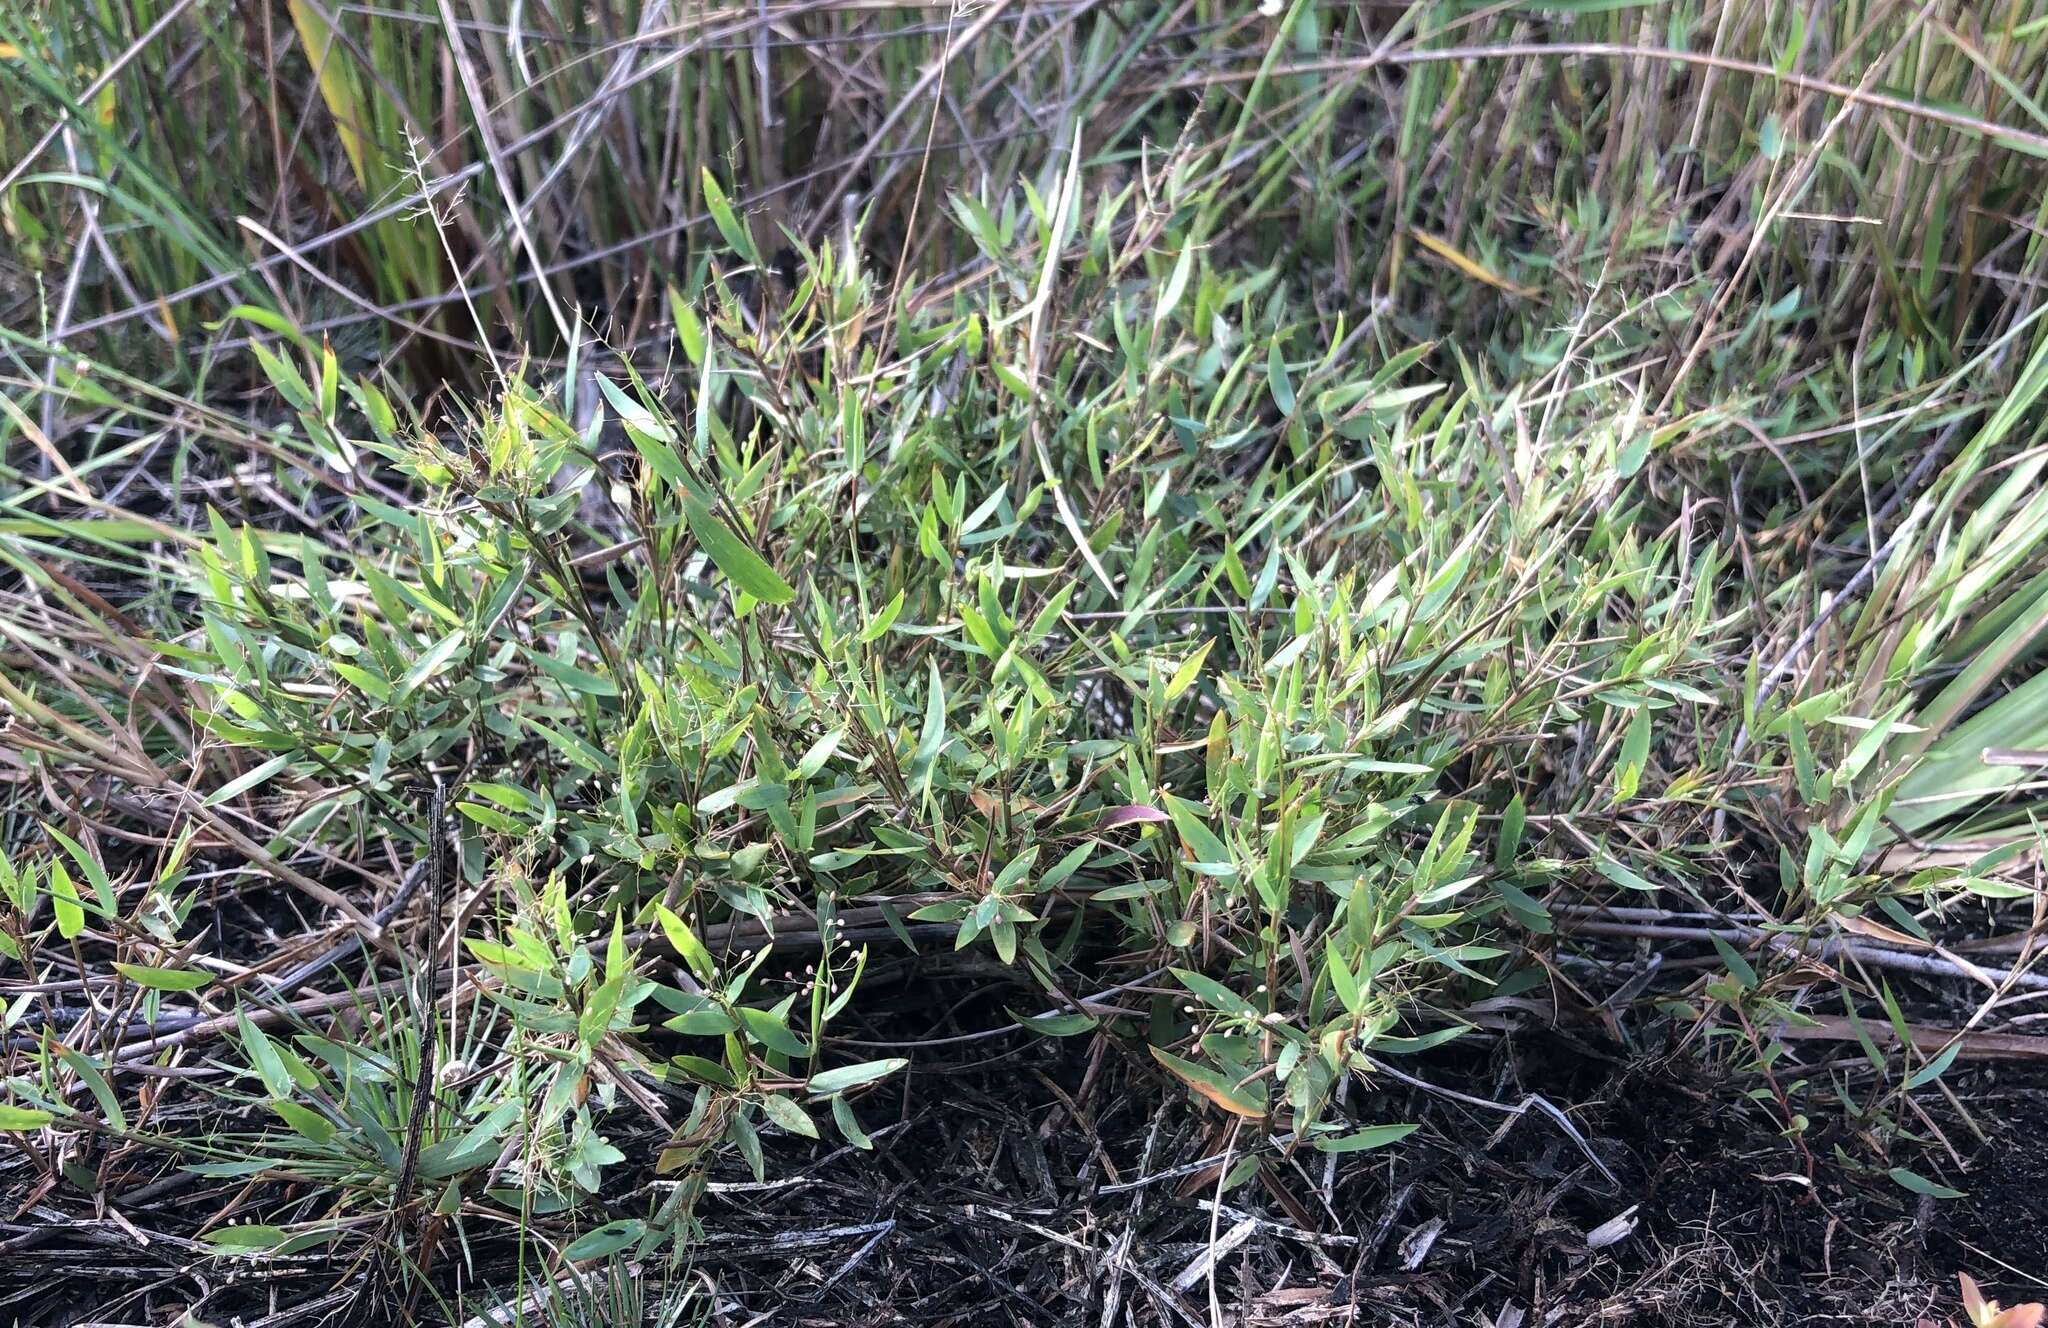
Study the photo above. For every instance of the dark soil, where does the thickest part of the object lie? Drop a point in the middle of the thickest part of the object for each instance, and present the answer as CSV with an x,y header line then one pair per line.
x,y
1026,1181
1023,1188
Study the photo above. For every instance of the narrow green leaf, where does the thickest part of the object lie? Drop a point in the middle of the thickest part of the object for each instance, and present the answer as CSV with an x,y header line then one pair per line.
x,y
688,329
660,455
1176,283
64,903
16,1120
608,1239
849,1125
1933,1070
786,1113
164,979
1189,670
1203,842
1055,1025
933,736
427,665
1919,1184
96,1084
304,1121
685,943
1635,750
1214,994
728,223
95,874
771,1032
710,1072
263,1057
1738,967
1512,822
853,1076
1277,381
710,1021
248,1239
1358,1141
733,556
883,621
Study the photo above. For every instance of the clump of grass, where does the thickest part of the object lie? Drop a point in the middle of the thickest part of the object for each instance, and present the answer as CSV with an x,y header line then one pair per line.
x,y
1020,634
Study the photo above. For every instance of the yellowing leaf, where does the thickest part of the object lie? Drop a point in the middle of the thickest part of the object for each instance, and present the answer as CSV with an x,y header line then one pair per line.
x,y
1189,670
1471,267
64,903
1248,1101
336,88
685,943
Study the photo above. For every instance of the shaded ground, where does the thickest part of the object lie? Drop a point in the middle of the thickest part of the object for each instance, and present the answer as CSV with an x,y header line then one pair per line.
x,y
992,1204
1052,1182
1439,1235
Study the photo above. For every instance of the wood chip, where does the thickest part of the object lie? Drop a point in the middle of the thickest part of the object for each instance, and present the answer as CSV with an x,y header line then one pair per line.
x,y
1614,1230
1192,1275
1416,1246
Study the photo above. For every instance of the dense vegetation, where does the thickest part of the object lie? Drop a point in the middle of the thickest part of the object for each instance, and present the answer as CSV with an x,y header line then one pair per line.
x,y
593,594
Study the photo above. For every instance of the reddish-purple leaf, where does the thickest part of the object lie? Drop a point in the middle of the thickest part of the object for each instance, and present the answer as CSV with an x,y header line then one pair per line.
x,y
1135,814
